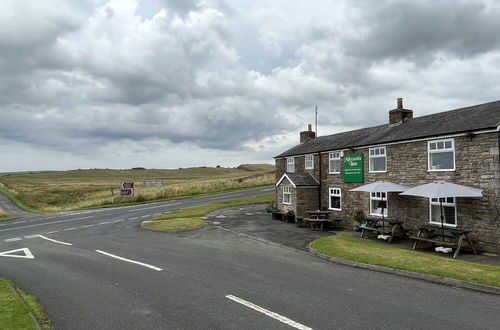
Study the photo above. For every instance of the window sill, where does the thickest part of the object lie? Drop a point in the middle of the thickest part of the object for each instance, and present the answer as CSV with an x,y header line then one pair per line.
x,y
449,225
333,172
443,170
334,209
377,171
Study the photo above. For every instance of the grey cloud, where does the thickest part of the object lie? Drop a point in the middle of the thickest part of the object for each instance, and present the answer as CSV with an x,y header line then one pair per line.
x,y
420,30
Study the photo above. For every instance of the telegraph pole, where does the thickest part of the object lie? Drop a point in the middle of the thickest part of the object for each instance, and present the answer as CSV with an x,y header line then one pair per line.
x,y
316,120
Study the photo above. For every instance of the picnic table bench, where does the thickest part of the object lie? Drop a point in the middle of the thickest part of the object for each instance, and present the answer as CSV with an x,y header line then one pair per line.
x,y
436,236
317,219
383,226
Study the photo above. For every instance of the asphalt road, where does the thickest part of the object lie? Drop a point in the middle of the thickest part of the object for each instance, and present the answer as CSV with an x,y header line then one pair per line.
x,y
115,275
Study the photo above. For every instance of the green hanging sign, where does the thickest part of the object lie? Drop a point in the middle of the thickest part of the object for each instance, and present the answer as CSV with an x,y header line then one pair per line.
x,y
353,168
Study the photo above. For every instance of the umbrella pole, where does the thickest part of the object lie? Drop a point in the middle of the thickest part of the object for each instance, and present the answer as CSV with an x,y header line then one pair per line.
x,y
442,215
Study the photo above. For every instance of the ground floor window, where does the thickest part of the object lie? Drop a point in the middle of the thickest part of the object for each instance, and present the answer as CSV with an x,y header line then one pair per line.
x,y
449,211
378,203
335,195
287,195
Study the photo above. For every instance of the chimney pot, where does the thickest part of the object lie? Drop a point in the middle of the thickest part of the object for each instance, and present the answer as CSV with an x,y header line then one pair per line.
x,y
309,128
307,135
399,115
400,103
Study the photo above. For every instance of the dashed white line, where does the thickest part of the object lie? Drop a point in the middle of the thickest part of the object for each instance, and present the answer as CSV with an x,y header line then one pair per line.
x,y
133,218
153,207
103,223
273,315
13,239
51,232
31,236
47,223
53,240
86,226
72,228
15,223
129,260
119,220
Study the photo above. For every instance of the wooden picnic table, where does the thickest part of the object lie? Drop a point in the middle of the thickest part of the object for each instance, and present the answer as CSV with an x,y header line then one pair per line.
x,y
383,226
317,219
436,235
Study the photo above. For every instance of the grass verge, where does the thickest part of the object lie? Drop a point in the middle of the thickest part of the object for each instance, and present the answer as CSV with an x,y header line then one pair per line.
x,y
356,249
191,218
15,309
4,216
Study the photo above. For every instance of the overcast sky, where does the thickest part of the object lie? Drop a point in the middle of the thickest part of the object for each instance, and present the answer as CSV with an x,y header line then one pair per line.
x,y
179,83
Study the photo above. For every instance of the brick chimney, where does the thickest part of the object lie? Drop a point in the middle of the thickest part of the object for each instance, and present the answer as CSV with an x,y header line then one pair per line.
x,y
399,115
307,135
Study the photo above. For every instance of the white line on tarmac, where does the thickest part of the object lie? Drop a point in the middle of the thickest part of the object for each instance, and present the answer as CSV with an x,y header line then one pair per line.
x,y
86,226
273,315
31,236
13,239
52,232
15,223
129,260
53,240
153,207
47,223
119,220
72,228
103,223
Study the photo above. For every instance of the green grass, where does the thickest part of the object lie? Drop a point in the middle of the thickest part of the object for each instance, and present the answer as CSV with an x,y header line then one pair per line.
x,y
356,249
14,311
191,218
44,192
4,216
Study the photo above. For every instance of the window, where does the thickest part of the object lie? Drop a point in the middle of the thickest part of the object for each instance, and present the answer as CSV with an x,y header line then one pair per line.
x,y
449,211
309,162
287,195
378,160
441,155
378,203
290,165
335,195
334,162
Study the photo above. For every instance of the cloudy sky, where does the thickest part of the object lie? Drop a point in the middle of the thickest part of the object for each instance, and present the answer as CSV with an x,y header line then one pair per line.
x,y
178,83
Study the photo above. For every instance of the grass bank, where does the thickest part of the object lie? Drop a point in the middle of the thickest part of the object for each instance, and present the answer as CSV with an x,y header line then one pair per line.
x,y
15,309
70,190
191,218
356,249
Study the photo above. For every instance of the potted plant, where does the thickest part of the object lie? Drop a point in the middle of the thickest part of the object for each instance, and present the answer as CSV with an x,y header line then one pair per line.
x,y
359,219
277,214
289,216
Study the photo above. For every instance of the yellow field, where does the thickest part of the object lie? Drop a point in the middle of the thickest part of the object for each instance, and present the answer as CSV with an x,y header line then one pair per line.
x,y
61,191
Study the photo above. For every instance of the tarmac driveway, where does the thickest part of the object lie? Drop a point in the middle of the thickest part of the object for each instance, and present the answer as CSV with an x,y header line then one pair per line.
x,y
253,220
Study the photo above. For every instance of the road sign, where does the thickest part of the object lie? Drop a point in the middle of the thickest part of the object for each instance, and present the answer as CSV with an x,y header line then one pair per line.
x,y
126,185
127,192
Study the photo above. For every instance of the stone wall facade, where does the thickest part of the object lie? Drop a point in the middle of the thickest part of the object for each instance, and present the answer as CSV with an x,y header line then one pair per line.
x,y
476,165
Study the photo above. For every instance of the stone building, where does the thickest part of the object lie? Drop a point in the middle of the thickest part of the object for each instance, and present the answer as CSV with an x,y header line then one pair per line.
x,y
459,146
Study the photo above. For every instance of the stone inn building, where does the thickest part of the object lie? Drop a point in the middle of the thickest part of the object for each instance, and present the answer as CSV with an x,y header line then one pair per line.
x,y
459,146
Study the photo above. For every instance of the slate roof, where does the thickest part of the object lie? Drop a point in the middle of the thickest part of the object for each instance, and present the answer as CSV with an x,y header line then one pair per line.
x,y
301,179
474,118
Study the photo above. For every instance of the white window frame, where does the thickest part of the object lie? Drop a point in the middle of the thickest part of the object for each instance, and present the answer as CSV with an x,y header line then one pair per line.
x,y
370,157
311,160
445,203
379,198
334,156
290,162
444,149
287,190
337,192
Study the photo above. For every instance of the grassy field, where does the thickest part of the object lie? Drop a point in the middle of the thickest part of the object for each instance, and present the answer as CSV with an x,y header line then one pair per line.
x,y
15,309
191,218
67,190
356,249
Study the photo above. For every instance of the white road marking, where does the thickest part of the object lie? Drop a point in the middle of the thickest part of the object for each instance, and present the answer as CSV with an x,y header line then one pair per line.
x,y
153,207
48,223
133,218
13,239
86,226
15,223
72,228
119,220
53,240
103,223
27,254
48,218
52,232
273,315
31,236
129,260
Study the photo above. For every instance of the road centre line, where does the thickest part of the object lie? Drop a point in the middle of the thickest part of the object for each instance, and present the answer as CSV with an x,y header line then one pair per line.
x,y
51,232
47,223
129,260
31,236
119,220
153,207
273,315
86,226
72,228
13,239
53,240
103,223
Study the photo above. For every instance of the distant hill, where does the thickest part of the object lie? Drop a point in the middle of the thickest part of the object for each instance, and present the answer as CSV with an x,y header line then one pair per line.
x,y
256,167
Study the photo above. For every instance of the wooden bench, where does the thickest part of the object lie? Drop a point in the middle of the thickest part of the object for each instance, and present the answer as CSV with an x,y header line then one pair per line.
x,y
389,228
318,224
434,241
431,234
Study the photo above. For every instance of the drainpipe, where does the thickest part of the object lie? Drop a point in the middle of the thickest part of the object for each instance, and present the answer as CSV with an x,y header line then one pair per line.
x,y
319,193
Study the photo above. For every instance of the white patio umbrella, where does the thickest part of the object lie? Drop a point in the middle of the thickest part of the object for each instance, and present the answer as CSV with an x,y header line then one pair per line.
x,y
381,186
442,189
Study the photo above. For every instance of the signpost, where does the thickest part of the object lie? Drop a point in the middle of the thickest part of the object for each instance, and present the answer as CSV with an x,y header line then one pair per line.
x,y
126,188
353,168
